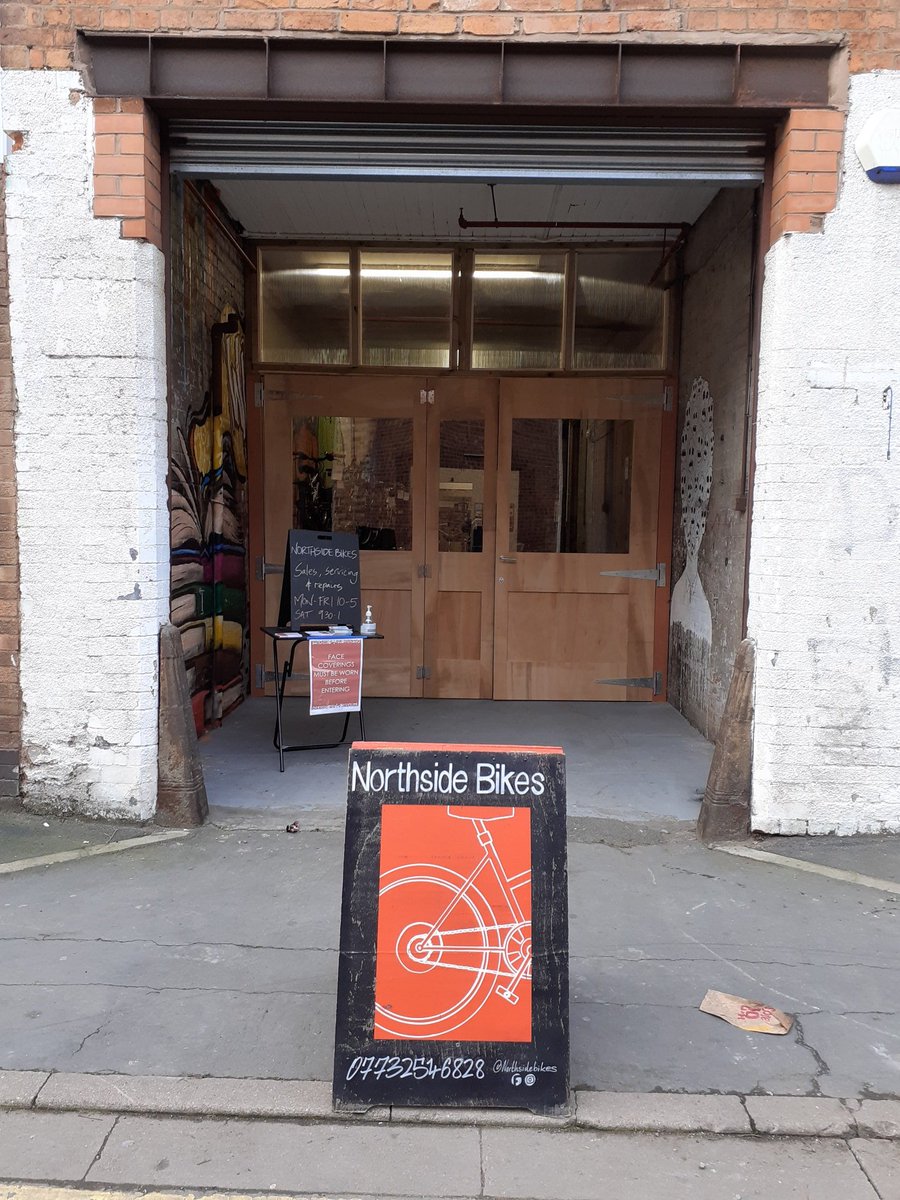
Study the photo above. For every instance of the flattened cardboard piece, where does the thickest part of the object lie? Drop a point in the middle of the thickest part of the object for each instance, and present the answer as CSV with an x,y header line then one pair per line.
x,y
751,1015
453,978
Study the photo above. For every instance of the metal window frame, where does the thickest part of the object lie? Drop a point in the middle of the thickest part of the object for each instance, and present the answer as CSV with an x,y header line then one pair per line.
x,y
462,315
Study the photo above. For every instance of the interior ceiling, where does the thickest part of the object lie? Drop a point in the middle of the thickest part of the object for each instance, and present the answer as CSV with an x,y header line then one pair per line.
x,y
428,210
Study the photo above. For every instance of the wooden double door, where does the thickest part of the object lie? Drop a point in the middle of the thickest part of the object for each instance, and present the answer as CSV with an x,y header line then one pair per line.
x,y
508,527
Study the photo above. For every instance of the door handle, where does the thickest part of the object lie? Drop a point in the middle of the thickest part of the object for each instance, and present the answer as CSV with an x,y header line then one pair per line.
x,y
508,558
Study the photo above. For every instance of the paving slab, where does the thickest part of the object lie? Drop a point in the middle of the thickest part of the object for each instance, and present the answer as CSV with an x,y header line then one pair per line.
x,y
302,1100
31,835
859,1041
52,1146
881,1163
875,855
27,1191
656,1112
878,1118
583,1166
19,1088
800,1116
124,1029
334,1158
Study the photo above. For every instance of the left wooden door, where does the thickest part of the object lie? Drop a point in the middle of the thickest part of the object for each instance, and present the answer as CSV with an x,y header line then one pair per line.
x,y
347,453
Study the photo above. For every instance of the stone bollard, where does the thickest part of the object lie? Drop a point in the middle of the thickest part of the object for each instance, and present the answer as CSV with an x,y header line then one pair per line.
x,y
181,792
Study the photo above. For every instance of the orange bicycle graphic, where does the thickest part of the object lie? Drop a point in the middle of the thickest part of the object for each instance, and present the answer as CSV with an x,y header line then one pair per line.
x,y
454,924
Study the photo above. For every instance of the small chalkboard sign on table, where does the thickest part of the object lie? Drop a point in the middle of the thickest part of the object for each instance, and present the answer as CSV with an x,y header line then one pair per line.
x,y
320,588
321,581
453,974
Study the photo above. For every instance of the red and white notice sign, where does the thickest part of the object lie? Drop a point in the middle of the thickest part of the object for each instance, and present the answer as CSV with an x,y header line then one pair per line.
x,y
335,675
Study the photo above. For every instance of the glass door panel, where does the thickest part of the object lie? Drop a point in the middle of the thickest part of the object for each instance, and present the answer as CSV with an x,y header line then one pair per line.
x,y
575,591
459,601
348,456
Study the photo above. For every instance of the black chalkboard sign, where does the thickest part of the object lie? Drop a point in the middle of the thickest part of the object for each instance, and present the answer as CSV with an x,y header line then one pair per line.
x,y
321,580
453,975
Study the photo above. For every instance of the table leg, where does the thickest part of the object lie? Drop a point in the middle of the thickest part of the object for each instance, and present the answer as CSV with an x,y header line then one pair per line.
x,y
279,697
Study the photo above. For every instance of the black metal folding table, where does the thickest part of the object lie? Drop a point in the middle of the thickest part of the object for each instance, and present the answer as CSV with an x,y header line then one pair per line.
x,y
283,672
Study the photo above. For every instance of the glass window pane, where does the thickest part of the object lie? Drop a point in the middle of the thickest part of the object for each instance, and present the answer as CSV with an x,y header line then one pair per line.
x,y
517,311
304,306
461,487
352,475
571,486
406,308
619,317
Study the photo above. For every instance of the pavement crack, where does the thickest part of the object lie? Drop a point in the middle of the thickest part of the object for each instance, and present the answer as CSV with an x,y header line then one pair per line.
x,y
99,1153
87,1037
158,989
34,1099
743,1100
102,941
822,1067
698,874
862,1167
481,1159
746,974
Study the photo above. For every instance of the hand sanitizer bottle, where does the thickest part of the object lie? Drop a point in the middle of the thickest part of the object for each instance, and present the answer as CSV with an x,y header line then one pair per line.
x,y
368,625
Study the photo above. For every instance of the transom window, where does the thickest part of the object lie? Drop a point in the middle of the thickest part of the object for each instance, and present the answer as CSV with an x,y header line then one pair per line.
x,y
504,310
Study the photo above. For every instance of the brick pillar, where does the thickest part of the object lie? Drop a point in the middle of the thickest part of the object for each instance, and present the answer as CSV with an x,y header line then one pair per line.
x,y
127,171
806,173
10,698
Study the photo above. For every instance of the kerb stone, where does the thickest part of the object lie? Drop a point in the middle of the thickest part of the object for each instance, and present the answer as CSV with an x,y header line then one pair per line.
x,y
657,1112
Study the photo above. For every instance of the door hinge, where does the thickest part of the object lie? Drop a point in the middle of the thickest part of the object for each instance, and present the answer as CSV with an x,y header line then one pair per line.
x,y
264,568
654,682
259,394
262,676
668,397
423,570
657,574
426,396
423,672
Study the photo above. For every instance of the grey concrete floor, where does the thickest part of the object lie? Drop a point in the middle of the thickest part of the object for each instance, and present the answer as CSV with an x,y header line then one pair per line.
x,y
631,761
255,1158
217,955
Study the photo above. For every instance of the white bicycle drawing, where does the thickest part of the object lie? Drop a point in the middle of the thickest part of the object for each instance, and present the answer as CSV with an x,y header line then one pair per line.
x,y
446,936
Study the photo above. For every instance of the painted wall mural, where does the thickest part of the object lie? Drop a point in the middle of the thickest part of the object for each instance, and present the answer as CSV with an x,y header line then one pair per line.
x,y
690,607
209,531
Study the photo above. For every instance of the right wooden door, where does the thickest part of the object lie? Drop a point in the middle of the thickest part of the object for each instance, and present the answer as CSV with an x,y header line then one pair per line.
x,y
576,563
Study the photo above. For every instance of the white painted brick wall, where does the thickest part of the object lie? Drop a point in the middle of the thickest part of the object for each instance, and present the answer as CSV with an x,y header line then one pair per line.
x,y
88,341
825,544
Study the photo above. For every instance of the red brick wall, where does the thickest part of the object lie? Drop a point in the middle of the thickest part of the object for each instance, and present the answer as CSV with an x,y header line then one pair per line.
x,y
806,170
10,701
41,34
127,171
